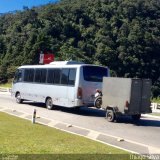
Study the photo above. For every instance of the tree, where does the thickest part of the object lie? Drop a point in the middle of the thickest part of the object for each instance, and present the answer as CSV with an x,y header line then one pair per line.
x,y
121,34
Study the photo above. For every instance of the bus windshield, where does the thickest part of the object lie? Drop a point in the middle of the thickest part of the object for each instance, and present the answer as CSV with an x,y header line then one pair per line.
x,y
94,73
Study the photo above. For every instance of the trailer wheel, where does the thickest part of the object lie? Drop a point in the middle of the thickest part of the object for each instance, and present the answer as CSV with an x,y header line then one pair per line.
x,y
49,104
18,98
110,115
136,117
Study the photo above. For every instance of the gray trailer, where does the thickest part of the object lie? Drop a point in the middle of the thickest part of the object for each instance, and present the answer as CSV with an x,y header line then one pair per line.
x,y
126,96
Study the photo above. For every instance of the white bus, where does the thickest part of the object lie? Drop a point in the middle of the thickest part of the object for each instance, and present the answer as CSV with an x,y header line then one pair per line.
x,y
63,83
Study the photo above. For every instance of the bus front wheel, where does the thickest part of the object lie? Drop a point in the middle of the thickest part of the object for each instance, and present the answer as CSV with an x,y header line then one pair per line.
x,y
49,103
18,98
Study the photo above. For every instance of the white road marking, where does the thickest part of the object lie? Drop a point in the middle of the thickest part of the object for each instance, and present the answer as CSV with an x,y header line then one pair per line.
x,y
153,150
93,134
52,123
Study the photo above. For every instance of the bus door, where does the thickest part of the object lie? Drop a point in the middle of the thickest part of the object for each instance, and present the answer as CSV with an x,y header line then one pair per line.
x,y
17,86
68,80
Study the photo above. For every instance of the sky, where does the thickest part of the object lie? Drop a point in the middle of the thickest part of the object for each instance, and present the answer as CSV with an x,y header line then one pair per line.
x,y
12,5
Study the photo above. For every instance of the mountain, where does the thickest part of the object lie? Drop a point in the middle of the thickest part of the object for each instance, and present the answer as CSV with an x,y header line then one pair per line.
x,y
121,34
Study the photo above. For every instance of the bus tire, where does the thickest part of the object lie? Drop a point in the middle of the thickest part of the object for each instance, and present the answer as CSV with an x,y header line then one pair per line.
x,y
110,115
18,98
49,104
98,102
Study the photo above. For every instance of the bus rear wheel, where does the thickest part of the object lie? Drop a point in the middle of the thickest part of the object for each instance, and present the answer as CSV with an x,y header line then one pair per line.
x,y
18,98
98,102
49,104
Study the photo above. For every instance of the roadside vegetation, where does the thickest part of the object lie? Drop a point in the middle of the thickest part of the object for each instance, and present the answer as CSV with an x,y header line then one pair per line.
x,y
155,114
156,100
6,85
19,136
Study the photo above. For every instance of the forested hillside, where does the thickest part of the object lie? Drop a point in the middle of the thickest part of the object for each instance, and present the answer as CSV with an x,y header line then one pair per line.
x,y
121,34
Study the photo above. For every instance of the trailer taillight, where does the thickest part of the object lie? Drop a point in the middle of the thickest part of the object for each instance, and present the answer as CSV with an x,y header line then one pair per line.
x,y
79,93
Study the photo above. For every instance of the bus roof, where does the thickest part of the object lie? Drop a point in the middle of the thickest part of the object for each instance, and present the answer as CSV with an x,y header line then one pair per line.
x,y
65,62
58,64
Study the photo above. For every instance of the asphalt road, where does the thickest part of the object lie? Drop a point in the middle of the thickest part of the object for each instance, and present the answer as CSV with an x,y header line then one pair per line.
x,y
146,131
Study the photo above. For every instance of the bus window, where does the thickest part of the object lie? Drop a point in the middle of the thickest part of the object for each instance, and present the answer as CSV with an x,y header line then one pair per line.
x,y
50,76
40,75
28,75
72,77
43,75
57,76
64,77
18,76
94,73
37,75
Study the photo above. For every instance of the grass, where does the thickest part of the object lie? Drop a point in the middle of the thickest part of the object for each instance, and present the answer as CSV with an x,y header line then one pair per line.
x,y
6,85
19,136
156,100
155,114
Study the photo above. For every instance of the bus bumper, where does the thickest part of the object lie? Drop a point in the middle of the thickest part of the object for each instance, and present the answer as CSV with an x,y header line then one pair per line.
x,y
79,102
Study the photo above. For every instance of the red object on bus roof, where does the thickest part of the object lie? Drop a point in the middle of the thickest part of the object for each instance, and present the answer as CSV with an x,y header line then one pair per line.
x,y
46,58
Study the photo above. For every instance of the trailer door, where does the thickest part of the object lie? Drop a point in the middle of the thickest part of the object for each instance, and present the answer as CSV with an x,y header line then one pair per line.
x,y
136,93
146,94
